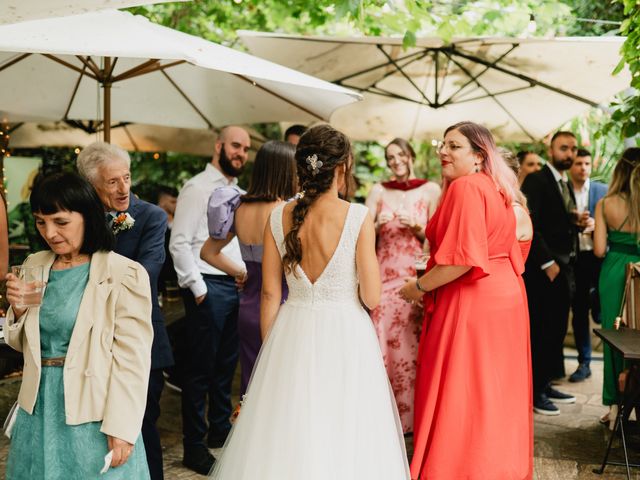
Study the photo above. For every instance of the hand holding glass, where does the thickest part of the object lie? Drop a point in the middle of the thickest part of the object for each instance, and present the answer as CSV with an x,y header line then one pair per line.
x,y
581,218
30,285
420,262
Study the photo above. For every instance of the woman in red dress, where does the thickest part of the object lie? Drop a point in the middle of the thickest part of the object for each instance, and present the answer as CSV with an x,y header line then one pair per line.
x,y
473,389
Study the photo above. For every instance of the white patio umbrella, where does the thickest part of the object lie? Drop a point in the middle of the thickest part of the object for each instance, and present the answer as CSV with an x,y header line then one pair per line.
x,y
14,11
521,89
69,68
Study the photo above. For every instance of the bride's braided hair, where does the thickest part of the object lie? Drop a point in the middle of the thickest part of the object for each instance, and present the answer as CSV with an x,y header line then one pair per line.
x,y
320,144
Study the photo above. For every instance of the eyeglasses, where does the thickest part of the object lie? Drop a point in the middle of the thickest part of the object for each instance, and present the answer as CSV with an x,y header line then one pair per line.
x,y
451,147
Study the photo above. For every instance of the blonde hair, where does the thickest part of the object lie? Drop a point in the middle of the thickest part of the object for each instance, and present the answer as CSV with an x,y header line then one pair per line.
x,y
625,182
512,162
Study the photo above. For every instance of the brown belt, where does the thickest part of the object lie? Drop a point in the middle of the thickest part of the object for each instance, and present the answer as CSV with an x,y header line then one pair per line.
x,y
53,362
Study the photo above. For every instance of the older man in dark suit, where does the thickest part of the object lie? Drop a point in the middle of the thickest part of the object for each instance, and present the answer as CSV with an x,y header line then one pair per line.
x,y
549,276
139,228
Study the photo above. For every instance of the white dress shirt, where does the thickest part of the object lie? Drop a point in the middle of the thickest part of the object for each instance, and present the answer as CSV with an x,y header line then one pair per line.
x,y
558,176
190,231
582,204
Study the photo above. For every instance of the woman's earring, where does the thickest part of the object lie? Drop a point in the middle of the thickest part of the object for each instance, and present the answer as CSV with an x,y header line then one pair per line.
x,y
477,167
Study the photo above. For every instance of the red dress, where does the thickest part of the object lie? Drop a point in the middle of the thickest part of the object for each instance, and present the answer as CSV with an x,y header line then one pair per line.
x,y
473,417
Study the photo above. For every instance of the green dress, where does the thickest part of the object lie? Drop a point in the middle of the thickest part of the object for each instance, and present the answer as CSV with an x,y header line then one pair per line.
x,y
43,446
623,249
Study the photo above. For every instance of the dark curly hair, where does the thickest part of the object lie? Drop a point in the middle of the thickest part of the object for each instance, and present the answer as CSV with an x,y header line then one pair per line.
x,y
333,149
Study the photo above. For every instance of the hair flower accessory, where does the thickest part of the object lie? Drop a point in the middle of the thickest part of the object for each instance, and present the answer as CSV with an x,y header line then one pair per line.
x,y
121,222
314,164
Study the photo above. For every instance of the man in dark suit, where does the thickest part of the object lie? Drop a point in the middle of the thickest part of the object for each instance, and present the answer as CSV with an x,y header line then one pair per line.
x,y
139,228
587,267
549,276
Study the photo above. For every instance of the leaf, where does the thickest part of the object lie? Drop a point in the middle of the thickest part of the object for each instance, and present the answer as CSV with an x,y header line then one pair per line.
x,y
346,7
409,39
619,67
632,129
446,31
492,15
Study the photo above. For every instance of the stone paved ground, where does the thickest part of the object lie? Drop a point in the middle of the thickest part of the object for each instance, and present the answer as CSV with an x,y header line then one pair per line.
x,y
567,447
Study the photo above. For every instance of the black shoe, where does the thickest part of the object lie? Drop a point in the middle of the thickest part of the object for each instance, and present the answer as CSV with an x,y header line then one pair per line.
x,y
544,406
581,374
215,441
199,460
559,397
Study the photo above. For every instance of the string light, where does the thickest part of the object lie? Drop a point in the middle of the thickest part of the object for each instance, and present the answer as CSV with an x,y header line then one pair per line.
x,y
4,149
532,25
4,146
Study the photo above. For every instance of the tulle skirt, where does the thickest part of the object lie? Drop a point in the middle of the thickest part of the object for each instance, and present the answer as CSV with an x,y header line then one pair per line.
x,y
319,405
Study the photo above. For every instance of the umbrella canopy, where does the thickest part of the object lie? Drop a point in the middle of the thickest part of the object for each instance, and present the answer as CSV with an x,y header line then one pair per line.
x,y
14,11
132,137
519,88
124,68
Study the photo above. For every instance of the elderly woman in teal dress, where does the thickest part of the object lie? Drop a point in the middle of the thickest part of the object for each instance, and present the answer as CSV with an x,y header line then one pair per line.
x,y
617,239
87,347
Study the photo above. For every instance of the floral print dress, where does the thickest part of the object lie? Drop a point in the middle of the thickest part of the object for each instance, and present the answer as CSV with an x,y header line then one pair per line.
x,y
398,323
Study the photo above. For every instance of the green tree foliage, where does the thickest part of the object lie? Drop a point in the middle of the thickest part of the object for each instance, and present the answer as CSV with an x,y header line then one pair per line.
x,y
218,20
605,148
626,114
594,17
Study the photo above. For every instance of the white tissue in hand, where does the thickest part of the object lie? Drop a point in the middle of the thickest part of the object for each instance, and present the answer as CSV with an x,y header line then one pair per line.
x,y
107,462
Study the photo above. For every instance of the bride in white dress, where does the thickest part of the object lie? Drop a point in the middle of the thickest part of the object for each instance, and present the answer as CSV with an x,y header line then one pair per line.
x,y
319,405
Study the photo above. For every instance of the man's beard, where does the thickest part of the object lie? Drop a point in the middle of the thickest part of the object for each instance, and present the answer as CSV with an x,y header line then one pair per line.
x,y
226,165
562,165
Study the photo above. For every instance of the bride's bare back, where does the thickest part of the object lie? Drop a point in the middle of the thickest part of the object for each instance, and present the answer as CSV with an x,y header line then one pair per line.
x,y
320,233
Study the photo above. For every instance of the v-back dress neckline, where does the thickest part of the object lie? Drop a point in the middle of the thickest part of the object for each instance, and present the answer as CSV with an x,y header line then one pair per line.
x,y
333,255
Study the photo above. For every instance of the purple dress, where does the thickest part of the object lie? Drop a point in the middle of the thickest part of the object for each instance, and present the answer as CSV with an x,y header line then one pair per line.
x,y
220,213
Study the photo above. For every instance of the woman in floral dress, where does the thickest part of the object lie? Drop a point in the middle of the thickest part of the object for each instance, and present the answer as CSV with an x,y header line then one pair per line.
x,y
401,208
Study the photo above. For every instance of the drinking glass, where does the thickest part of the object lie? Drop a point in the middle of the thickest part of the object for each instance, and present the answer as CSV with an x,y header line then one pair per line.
x,y
31,285
420,262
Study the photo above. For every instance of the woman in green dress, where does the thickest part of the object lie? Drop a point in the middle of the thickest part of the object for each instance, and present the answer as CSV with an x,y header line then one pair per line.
x,y
87,346
618,228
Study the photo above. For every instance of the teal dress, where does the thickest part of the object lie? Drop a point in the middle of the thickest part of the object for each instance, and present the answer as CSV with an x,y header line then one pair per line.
x,y
43,446
623,249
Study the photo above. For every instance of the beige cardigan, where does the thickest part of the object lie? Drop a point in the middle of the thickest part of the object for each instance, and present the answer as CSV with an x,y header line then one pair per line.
x,y
106,372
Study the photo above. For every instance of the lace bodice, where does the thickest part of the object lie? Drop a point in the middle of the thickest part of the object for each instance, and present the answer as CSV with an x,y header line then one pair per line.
x,y
338,283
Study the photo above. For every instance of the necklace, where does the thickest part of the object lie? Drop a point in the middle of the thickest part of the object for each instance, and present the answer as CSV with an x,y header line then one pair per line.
x,y
64,263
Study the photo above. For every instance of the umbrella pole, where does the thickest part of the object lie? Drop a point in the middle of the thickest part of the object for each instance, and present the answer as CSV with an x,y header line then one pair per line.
x,y
107,99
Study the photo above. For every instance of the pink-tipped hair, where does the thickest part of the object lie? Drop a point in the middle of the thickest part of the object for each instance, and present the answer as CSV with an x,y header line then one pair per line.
x,y
482,142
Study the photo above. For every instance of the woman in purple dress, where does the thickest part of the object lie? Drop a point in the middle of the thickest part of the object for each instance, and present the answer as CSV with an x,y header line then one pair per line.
x,y
233,213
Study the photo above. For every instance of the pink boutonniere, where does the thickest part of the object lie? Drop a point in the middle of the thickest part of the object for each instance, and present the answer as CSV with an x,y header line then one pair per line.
x,y
122,222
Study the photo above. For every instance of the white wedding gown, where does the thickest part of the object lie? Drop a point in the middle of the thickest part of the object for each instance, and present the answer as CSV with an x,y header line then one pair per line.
x,y
319,405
